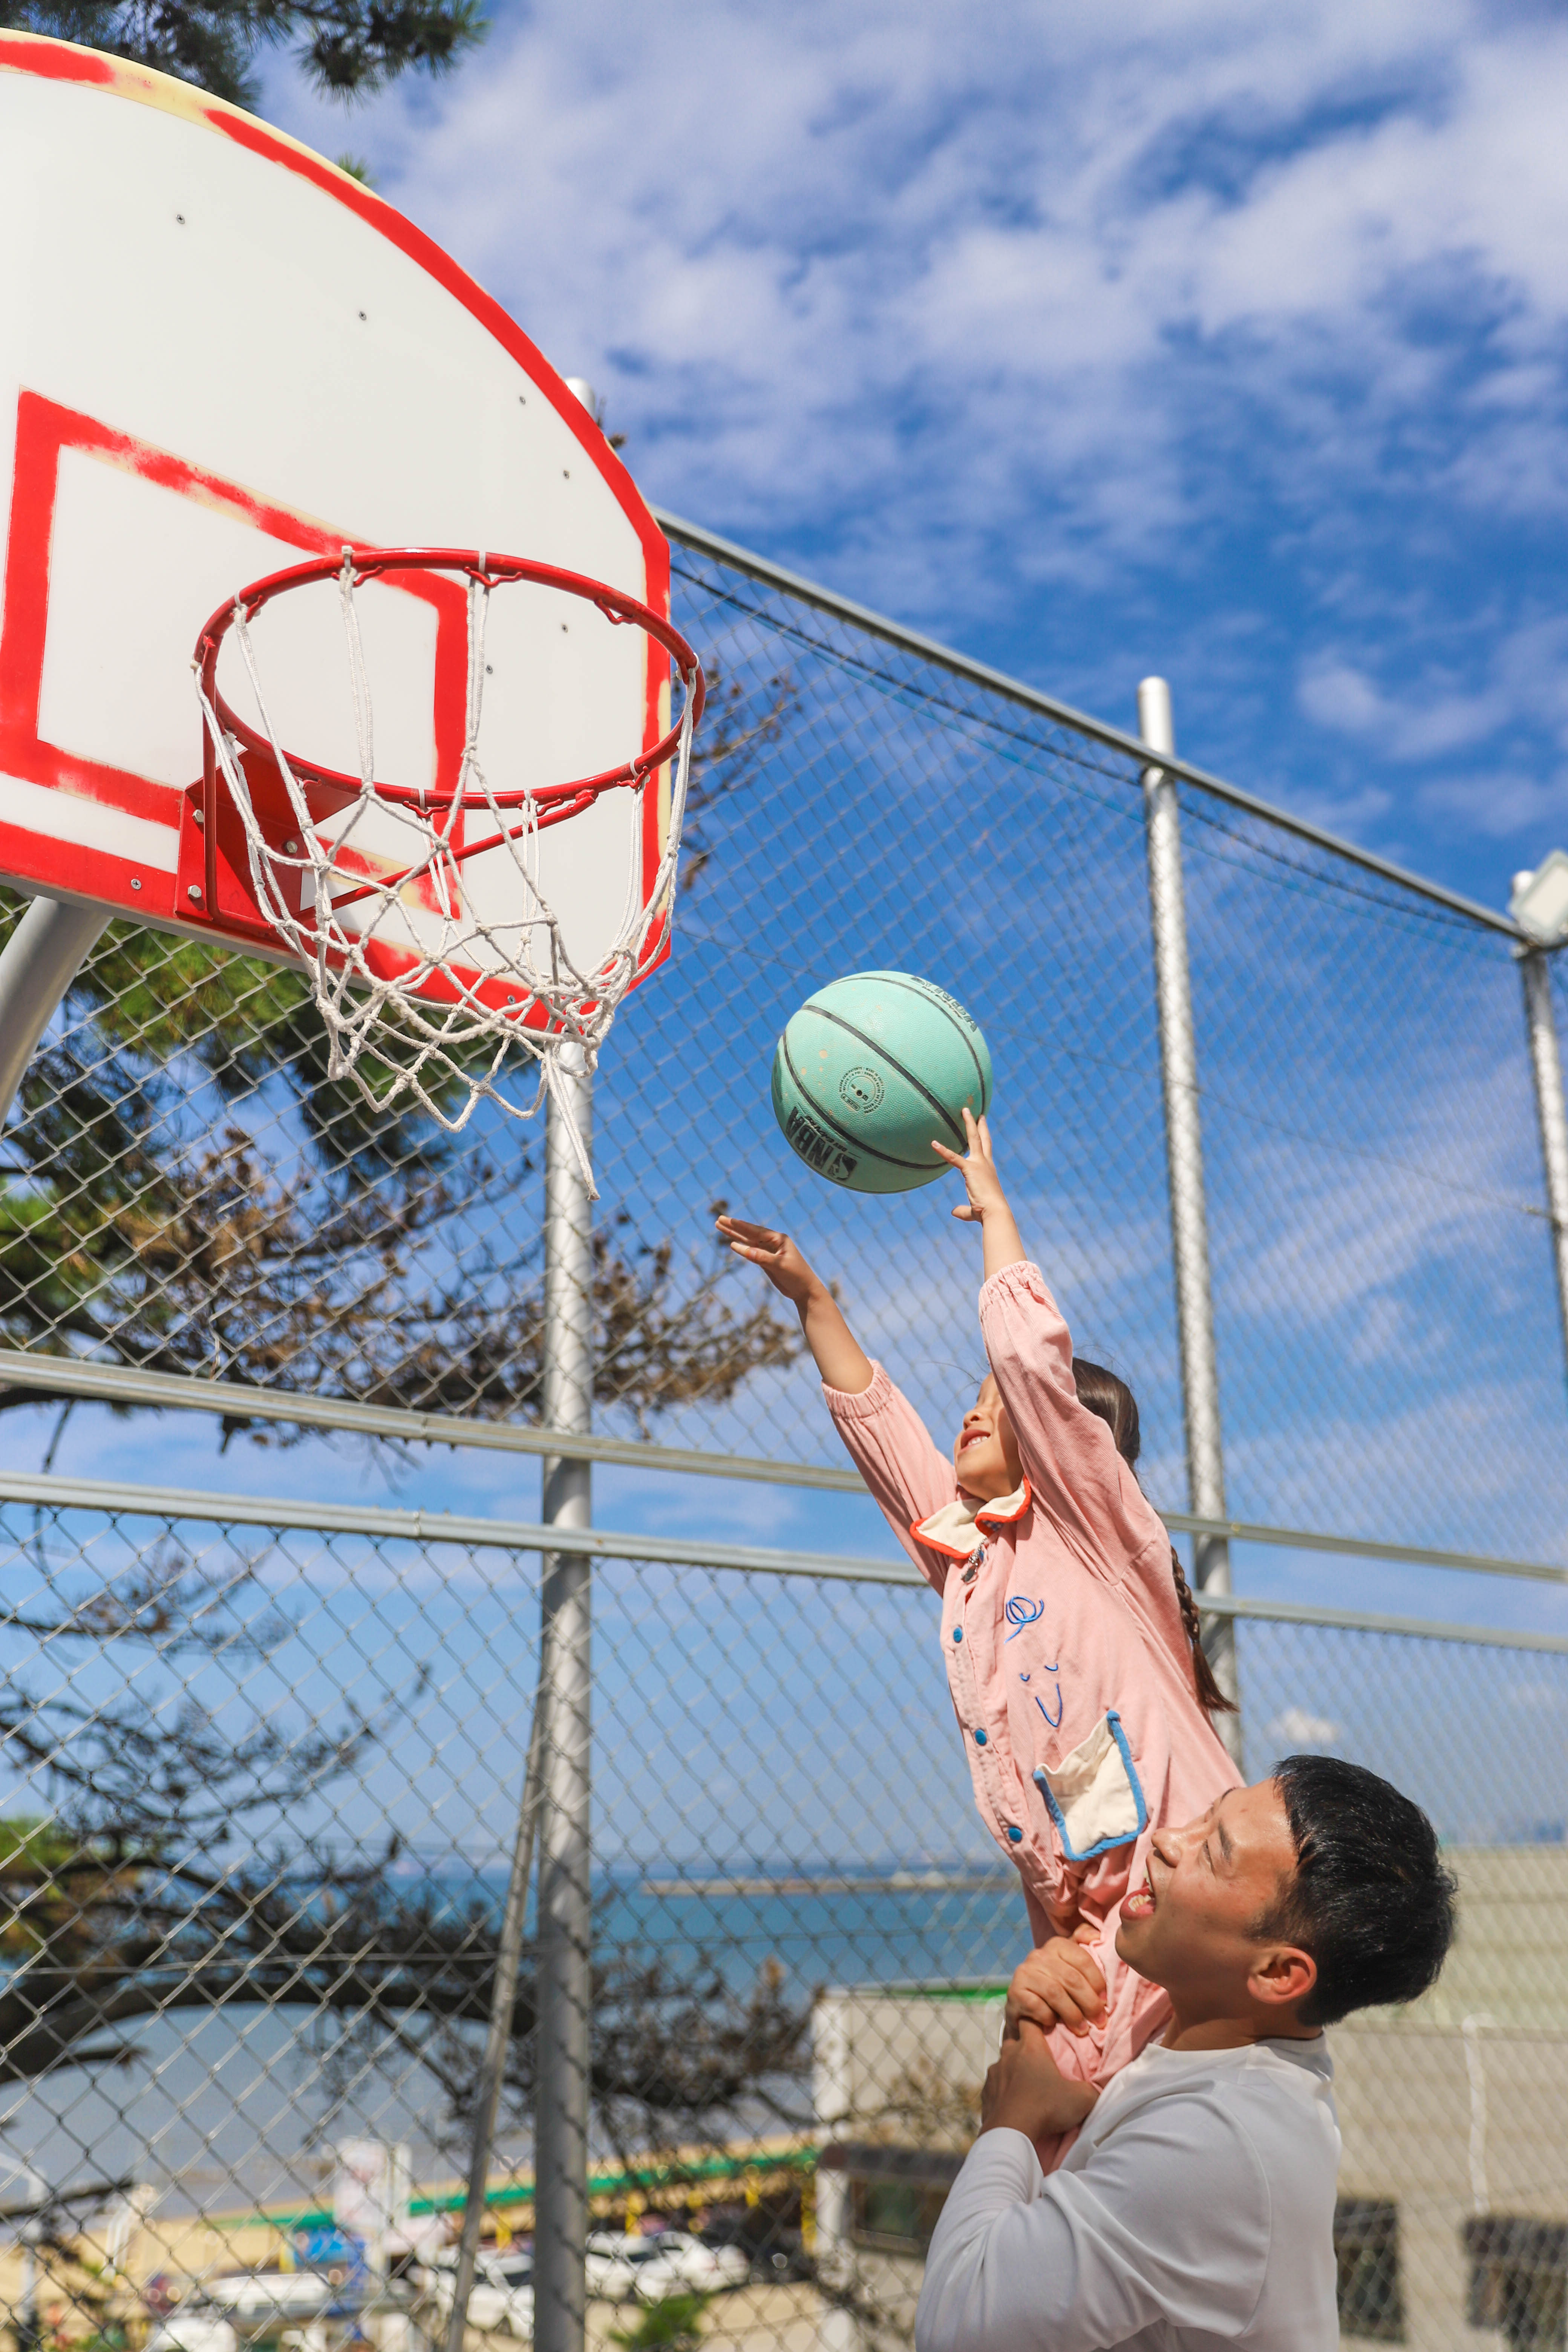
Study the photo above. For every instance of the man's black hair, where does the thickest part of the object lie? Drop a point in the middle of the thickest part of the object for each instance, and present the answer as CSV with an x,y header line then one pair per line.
x,y
1371,1900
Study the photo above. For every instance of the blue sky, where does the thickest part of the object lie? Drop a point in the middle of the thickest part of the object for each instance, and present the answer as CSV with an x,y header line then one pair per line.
x,y
1222,341
1229,344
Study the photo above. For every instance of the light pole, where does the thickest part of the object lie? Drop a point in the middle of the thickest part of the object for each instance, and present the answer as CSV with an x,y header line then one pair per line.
x,y
1184,1176
1539,908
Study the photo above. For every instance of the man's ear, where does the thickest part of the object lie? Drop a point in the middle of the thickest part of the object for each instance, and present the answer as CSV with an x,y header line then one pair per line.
x,y
1282,1975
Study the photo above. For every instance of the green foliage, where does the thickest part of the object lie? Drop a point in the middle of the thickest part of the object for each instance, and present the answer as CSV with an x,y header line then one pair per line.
x,y
175,1241
36,1858
348,48
245,1021
673,2323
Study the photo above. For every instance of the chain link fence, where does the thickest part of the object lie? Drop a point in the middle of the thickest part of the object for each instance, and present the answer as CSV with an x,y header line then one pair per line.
x,y
269,1685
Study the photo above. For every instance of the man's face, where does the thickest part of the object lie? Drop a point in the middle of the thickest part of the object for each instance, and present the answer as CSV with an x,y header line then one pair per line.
x,y
1189,1925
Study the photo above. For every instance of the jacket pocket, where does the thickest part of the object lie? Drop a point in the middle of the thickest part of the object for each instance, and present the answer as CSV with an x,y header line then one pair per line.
x,y
1093,1795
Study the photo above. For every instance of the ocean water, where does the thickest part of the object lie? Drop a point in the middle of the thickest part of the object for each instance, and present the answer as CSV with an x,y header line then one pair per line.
x,y
238,2108
902,1926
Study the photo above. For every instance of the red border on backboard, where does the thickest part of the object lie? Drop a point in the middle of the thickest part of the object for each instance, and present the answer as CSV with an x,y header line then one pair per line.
x,y
35,54
44,429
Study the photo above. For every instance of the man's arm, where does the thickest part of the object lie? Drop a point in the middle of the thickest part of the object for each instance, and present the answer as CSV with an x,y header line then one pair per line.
x,y
1168,2219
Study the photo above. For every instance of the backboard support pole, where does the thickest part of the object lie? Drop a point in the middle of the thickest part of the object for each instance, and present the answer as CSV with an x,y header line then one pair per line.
x,y
1184,1169
565,1893
38,964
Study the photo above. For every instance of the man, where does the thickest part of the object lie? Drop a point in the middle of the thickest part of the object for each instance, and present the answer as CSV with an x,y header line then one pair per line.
x,y
1195,2207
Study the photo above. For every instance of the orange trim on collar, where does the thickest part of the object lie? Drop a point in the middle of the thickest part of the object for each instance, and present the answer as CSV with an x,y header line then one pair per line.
x,y
1007,1507
961,1519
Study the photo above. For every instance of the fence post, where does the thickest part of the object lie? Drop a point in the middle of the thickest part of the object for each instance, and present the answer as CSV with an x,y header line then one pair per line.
x,y
565,1892
1185,1172
1546,1065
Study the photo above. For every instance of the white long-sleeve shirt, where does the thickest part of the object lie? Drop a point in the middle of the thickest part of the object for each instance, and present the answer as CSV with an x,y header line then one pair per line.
x,y
1194,2211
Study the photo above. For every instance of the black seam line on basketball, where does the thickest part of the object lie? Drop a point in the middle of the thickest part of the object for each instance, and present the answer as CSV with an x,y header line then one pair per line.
x,y
873,1045
867,1150
891,980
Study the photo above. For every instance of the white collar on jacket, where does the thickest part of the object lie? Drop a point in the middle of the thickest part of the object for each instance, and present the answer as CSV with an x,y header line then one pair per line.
x,y
959,1525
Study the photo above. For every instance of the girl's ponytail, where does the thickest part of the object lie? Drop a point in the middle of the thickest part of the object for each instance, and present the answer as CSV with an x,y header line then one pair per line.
x,y
1101,1392
1210,1695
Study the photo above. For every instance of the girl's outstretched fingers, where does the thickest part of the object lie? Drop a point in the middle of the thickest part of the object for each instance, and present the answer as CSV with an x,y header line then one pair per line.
x,y
746,1239
983,1186
773,1252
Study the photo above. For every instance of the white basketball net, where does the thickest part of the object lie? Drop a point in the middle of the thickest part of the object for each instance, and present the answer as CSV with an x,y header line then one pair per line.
x,y
440,1052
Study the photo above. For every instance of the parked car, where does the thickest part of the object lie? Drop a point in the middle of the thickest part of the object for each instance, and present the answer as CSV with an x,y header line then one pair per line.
x,y
501,2301
774,2251
194,2327
670,2262
249,2295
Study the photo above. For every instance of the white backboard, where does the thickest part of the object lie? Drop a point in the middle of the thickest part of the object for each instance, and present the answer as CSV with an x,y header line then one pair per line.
x,y
220,355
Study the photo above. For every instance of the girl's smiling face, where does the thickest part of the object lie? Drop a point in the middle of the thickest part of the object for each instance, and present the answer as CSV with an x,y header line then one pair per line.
x,y
985,1455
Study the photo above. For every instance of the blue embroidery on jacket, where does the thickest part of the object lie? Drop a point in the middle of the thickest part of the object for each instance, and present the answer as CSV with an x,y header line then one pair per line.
x,y
1021,1612
1052,1719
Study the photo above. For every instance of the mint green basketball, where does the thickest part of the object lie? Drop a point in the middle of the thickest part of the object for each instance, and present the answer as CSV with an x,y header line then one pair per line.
x,y
872,1067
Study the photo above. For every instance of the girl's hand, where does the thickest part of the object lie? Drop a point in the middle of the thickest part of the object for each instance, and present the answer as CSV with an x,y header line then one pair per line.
x,y
986,1205
978,1171
777,1257
839,1357
1058,1985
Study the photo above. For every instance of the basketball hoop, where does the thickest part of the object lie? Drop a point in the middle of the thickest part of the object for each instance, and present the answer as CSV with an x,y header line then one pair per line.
x,y
418,910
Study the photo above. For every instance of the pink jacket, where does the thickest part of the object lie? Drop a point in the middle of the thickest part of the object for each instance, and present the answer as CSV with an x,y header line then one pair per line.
x,y
1066,1656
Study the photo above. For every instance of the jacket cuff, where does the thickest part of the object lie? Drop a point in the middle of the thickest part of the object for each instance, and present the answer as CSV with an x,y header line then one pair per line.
x,y
1021,1280
866,1405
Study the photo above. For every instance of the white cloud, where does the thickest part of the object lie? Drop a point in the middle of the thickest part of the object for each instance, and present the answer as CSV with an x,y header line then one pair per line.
x,y
1523,682
915,267
1502,805
1296,1727
1338,695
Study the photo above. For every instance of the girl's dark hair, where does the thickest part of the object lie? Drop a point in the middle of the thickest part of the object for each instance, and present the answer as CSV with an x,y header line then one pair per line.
x,y
1101,1392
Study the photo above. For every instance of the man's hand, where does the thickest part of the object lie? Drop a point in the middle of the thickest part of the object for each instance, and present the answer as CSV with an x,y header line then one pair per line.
x,y
1025,2092
777,1257
1058,1984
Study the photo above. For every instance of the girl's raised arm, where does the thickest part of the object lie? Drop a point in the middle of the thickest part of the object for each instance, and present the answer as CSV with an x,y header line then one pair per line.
x,y
840,1358
986,1204
884,1434
1069,1453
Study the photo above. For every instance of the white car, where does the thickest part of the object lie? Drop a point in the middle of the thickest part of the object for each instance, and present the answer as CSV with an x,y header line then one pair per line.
x,y
196,2329
671,2262
501,2301
257,2295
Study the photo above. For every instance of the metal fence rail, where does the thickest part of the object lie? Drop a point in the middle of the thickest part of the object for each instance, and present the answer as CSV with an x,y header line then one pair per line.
x,y
273,1379
293,1949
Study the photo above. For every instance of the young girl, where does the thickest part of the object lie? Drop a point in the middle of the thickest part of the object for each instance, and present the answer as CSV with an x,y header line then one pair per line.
x,y
1068,1631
